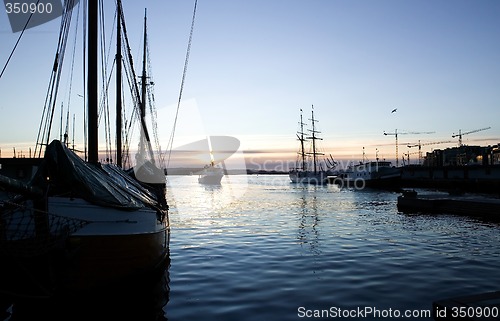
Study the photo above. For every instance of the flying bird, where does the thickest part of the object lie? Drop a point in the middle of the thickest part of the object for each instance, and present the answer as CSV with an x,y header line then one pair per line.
x,y
394,110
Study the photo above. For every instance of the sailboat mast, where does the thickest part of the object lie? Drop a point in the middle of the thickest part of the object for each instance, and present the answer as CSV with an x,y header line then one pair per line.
x,y
92,80
144,140
143,77
61,123
142,102
73,139
118,86
313,140
302,151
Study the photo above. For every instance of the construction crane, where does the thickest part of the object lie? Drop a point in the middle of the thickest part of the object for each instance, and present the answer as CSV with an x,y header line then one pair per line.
x,y
460,134
403,133
408,157
425,144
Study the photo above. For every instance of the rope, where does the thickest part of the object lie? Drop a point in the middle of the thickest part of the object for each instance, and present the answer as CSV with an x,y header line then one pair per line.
x,y
17,42
171,140
152,105
51,97
73,58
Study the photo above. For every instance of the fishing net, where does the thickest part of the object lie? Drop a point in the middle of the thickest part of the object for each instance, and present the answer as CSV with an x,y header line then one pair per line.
x,y
28,232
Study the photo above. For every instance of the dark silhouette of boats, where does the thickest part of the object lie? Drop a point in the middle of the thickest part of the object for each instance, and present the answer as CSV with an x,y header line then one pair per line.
x,y
78,224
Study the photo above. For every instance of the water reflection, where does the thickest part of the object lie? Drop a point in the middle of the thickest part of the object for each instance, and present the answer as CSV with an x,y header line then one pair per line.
x,y
187,194
308,234
146,301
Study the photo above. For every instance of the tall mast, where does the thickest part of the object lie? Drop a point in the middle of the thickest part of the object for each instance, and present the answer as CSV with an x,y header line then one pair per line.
x,y
145,140
301,138
143,77
118,86
314,138
92,79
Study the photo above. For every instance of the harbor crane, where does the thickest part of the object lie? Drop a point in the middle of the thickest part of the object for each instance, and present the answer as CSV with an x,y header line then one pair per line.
x,y
407,157
419,145
460,134
403,133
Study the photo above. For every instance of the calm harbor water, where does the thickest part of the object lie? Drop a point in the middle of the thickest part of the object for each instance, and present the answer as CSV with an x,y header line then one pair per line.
x,y
260,248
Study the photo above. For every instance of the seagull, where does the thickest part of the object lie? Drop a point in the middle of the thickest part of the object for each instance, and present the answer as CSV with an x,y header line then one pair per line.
x,y
394,110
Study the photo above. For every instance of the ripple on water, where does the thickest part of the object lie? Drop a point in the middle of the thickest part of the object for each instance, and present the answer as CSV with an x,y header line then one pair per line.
x,y
280,246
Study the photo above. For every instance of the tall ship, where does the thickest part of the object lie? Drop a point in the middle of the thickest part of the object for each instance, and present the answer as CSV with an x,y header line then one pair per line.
x,y
311,165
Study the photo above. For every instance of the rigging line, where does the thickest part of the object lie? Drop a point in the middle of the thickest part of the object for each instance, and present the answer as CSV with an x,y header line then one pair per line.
x,y
152,105
135,88
48,98
63,39
128,129
108,131
104,109
84,78
44,113
73,62
54,82
104,104
17,42
171,140
130,62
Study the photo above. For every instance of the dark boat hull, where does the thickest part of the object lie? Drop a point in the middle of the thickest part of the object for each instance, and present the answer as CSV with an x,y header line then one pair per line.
x,y
88,263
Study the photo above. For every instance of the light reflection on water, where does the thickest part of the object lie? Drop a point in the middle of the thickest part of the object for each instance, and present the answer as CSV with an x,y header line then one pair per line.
x,y
258,248
279,246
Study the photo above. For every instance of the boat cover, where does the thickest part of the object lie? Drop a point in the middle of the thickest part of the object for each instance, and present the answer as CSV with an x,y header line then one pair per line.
x,y
65,173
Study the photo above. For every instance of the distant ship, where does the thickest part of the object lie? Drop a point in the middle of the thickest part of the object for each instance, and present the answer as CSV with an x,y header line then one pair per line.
x,y
309,169
375,173
211,174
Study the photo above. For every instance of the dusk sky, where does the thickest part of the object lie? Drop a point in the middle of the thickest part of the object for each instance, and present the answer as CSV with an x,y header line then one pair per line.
x,y
255,64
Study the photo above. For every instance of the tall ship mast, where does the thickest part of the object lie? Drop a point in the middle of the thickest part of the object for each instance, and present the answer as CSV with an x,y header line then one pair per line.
x,y
313,139
317,171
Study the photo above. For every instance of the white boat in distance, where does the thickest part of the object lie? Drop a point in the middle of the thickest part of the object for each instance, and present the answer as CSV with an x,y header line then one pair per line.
x,y
309,169
211,175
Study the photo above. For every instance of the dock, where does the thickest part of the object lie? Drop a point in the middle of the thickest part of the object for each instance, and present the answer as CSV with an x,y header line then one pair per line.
x,y
473,179
469,205
484,306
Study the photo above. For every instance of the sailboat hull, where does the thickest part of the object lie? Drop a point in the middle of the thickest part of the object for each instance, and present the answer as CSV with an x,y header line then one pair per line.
x,y
115,245
210,180
101,261
110,246
211,176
